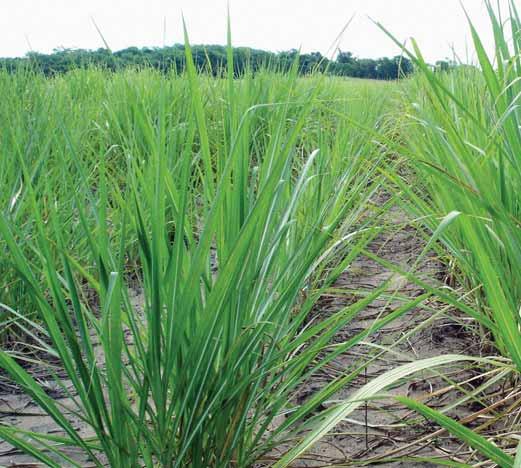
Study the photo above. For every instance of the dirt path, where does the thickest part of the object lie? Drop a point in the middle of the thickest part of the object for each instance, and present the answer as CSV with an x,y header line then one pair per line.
x,y
380,428
373,431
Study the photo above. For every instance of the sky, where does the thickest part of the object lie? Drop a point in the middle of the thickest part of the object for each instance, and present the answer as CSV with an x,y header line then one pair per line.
x,y
439,26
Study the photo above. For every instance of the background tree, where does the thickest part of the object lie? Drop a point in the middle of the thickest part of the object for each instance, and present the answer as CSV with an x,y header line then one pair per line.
x,y
212,59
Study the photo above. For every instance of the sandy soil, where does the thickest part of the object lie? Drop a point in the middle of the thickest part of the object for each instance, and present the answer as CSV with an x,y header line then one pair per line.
x,y
383,429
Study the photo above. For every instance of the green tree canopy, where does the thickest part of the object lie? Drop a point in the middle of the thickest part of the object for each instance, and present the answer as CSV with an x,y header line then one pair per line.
x,y
212,59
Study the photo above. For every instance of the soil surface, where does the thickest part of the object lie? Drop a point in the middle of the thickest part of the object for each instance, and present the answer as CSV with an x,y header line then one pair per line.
x,y
382,430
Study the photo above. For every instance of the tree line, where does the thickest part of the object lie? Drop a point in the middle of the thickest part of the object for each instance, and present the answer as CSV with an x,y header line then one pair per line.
x,y
212,59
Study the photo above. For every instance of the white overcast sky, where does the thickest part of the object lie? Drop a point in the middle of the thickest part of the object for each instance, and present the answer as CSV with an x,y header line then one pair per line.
x,y
438,25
